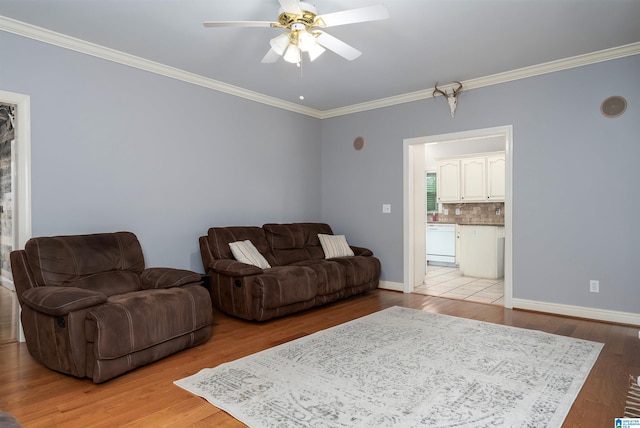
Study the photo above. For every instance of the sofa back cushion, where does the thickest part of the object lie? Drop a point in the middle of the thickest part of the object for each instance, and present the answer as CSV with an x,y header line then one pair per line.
x,y
295,242
219,238
70,260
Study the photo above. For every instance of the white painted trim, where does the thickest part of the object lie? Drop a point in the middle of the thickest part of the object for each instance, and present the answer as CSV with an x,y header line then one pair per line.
x,y
23,175
494,79
578,311
410,226
78,45
72,43
389,285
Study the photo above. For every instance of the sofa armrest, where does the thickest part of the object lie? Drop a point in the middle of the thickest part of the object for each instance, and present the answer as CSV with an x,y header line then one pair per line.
x,y
230,267
59,301
361,251
159,277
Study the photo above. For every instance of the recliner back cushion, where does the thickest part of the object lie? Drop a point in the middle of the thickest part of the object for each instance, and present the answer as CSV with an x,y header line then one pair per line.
x,y
61,260
295,242
219,239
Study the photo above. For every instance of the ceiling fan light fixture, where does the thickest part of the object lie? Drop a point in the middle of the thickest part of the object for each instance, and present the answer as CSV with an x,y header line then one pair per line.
x,y
280,43
306,41
292,54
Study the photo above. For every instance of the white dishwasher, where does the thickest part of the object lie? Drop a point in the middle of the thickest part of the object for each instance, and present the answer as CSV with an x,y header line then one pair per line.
x,y
441,244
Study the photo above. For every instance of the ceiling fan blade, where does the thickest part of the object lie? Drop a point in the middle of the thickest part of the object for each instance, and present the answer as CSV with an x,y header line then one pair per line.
x,y
290,6
338,46
352,16
271,56
210,24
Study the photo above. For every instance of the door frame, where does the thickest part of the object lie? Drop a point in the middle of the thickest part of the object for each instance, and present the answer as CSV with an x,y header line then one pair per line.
x,y
414,229
22,176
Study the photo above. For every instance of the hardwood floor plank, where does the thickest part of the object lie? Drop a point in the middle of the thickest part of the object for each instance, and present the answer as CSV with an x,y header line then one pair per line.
x,y
39,397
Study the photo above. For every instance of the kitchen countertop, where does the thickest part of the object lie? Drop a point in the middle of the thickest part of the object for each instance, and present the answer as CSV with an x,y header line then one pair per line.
x,y
466,223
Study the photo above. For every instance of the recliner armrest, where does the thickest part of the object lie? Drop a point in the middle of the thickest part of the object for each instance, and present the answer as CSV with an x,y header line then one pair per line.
x,y
231,267
59,301
361,251
159,277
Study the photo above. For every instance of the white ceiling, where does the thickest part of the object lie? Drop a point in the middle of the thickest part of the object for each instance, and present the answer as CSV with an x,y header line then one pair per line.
x,y
424,41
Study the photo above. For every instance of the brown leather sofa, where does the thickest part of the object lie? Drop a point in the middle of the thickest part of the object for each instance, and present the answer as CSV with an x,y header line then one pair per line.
x,y
300,277
91,309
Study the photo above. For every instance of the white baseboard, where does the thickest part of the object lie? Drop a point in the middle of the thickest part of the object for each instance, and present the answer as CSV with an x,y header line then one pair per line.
x,y
394,286
578,311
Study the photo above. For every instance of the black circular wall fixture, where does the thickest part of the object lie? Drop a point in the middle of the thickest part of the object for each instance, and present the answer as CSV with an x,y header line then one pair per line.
x,y
613,106
358,143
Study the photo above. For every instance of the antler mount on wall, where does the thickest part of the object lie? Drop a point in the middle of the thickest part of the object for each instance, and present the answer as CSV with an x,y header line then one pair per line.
x,y
451,99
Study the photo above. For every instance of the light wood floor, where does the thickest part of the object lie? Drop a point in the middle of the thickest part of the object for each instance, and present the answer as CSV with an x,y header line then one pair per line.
x,y
146,397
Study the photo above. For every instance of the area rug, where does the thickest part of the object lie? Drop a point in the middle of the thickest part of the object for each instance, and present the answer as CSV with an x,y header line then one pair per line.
x,y
632,406
404,368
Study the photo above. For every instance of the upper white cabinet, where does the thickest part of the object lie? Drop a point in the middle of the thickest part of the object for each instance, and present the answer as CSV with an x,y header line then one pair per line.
x,y
480,178
473,179
496,177
448,180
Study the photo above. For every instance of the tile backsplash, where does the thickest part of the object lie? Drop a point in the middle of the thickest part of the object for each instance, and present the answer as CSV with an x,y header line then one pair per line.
x,y
480,213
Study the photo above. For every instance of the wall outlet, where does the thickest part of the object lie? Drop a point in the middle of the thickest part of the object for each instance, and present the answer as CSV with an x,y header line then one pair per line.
x,y
457,211
594,286
497,211
386,208
446,211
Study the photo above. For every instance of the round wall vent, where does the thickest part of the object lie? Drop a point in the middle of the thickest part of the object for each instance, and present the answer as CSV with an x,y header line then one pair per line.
x,y
613,106
358,143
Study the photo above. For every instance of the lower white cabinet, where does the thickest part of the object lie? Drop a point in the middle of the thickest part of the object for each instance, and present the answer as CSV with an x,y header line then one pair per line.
x,y
481,252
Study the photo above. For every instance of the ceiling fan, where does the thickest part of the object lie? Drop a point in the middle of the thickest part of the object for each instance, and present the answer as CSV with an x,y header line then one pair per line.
x,y
304,30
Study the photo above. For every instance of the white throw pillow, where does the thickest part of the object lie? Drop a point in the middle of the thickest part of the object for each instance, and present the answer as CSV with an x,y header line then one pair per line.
x,y
246,252
334,246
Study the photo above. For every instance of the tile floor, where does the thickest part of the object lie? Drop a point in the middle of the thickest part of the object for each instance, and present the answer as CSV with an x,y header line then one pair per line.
x,y
449,282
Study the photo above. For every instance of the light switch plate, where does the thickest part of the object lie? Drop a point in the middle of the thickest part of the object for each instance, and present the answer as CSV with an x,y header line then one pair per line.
x,y
386,208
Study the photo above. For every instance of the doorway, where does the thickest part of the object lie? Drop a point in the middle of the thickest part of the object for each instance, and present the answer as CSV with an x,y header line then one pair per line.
x,y
414,191
15,202
8,301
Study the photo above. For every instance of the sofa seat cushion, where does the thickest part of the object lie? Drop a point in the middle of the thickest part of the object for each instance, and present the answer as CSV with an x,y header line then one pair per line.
x,y
359,269
132,322
108,283
285,285
331,275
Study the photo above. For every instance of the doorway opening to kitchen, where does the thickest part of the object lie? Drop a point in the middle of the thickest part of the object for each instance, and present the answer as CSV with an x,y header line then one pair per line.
x,y
15,202
469,253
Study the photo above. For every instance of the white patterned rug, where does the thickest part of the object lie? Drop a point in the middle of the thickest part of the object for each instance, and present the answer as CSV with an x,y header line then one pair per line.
x,y
404,368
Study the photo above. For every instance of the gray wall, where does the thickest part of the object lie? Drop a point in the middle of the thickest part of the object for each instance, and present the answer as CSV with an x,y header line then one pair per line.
x,y
575,179
116,148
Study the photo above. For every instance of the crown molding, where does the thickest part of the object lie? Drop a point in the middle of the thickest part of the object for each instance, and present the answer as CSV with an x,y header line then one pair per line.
x,y
494,79
82,46
78,45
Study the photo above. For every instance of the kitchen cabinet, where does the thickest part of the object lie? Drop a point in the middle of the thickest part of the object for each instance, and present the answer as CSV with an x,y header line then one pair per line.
x,y
448,180
496,173
472,179
481,251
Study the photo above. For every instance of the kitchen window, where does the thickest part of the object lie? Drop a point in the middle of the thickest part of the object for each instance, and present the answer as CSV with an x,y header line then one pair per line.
x,y
431,192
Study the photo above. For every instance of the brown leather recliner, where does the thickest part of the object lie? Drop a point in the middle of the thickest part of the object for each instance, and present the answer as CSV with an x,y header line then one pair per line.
x,y
91,309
